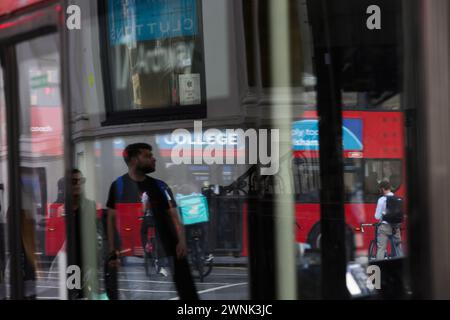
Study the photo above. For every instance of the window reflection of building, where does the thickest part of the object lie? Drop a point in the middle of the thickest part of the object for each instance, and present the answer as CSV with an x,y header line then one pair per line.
x,y
379,170
361,178
306,179
154,56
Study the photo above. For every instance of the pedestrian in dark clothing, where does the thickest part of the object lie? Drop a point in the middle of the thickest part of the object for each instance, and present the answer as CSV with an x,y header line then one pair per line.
x,y
151,194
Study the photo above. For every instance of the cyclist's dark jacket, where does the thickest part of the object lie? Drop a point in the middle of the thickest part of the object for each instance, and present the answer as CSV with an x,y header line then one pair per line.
x,y
130,191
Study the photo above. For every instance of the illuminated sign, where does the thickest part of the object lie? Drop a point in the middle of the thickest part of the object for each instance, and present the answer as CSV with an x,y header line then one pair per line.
x,y
231,142
46,130
46,114
141,20
305,135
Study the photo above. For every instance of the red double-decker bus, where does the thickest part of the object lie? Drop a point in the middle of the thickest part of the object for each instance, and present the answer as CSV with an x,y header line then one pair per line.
x,y
373,151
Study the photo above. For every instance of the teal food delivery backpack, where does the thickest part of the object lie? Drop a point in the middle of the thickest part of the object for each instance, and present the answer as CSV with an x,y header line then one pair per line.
x,y
193,208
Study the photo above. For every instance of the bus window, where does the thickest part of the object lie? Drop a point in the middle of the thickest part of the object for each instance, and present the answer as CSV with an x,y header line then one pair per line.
x,y
306,174
376,171
352,180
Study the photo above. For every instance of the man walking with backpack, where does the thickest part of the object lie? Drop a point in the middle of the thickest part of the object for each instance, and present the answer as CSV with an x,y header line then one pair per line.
x,y
390,214
144,192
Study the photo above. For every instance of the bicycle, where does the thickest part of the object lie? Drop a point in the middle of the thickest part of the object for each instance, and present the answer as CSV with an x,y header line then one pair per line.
x,y
201,267
392,250
150,251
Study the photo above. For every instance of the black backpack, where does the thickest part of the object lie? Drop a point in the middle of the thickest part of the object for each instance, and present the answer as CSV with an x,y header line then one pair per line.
x,y
394,210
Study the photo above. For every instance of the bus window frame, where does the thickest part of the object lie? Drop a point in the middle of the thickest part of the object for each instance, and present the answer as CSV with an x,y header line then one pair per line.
x,y
23,25
362,175
163,113
399,160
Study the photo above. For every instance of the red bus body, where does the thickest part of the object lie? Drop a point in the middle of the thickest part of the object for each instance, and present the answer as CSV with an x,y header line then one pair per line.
x,y
55,227
55,230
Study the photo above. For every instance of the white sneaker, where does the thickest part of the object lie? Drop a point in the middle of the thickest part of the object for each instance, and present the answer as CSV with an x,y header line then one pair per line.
x,y
164,272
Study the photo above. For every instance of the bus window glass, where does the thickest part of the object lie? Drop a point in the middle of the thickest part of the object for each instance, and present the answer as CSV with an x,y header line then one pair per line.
x,y
4,256
41,166
381,170
306,175
352,180
211,205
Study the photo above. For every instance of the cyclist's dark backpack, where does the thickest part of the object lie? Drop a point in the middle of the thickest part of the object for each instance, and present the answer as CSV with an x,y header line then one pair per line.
x,y
394,210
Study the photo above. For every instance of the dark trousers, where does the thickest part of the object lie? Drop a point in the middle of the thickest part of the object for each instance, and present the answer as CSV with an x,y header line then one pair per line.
x,y
111,283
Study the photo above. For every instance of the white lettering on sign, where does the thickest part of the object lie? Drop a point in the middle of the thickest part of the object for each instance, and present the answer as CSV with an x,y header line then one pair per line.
x,y
218,144
185,137
41,129
154,28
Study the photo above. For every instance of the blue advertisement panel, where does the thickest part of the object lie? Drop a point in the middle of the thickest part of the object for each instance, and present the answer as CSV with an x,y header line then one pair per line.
x,y
305,135
141,20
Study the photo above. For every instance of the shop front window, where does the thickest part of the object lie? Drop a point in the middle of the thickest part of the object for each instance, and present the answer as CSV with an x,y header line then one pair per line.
x,y
154,68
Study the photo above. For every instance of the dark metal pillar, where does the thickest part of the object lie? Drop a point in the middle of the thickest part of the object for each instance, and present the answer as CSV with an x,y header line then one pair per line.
x,y
14,219
326,61
65,47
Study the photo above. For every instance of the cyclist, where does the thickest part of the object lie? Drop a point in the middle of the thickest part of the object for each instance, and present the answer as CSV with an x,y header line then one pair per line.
x,y
193,208
385,228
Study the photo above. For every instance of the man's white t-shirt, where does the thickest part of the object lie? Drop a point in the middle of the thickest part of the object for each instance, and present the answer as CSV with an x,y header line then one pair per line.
x,y
381,208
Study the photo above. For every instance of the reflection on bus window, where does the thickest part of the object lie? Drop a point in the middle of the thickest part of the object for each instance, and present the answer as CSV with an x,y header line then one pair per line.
x,y
41,162
352,180
306,174
376,171
4,256
154,66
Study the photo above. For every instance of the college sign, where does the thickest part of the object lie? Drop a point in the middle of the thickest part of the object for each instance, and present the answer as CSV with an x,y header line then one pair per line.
x,y
305,135
131,21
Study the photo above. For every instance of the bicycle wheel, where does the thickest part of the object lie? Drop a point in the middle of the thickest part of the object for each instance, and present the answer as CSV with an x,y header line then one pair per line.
x,y
372,254
150,257
199,268
392,250
198,261
207,268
